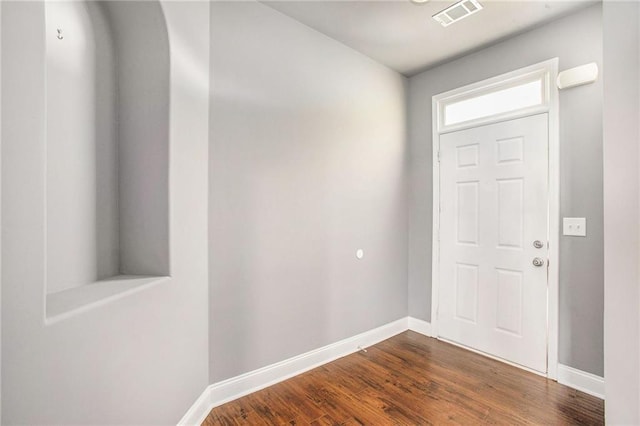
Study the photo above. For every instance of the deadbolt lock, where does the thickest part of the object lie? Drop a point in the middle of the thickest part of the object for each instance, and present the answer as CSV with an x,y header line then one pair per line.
x,y
538,244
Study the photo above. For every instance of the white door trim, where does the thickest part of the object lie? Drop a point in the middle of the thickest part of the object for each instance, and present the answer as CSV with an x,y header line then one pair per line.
x,y
551,107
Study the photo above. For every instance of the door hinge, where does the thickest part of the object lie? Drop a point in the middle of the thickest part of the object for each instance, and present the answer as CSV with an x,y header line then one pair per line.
x,y
438,156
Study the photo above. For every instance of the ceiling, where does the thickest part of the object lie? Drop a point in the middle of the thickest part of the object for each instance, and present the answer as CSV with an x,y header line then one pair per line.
x,y
403,36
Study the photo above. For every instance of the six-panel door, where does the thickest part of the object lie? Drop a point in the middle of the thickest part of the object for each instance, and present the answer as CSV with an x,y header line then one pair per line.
x,y
494,207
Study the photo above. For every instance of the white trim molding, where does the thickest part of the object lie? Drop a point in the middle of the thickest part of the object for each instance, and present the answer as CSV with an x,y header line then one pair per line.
x,y
581,380
420,326
199,410
236,387
239,386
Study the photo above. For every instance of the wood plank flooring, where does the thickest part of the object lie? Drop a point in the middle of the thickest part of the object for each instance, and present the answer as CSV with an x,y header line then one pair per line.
x,y
412,380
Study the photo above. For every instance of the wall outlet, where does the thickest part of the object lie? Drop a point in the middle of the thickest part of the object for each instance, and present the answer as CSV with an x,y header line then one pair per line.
x,y
574,226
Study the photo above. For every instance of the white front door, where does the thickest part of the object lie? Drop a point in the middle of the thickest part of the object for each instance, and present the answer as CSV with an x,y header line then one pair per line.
x,y
493,237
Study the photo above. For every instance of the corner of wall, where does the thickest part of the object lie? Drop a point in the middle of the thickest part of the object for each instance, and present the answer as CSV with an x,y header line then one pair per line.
x,y
621,68
0,211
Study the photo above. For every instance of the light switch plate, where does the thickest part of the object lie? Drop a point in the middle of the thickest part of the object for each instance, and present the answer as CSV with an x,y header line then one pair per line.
x,y
574,226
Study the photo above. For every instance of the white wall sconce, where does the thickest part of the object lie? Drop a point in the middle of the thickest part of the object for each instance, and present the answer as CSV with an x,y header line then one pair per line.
x,y
584,74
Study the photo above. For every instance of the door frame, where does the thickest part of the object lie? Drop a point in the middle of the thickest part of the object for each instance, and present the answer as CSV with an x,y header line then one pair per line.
x,y
548,70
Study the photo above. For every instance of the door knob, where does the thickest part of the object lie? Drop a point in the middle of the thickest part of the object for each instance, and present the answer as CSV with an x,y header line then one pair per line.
x,y
538,262
538,244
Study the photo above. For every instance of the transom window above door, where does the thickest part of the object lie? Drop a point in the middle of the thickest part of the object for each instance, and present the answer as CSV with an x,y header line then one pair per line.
x,y
519,96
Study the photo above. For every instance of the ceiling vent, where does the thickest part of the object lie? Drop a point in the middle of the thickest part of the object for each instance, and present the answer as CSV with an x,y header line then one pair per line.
x,y
457,11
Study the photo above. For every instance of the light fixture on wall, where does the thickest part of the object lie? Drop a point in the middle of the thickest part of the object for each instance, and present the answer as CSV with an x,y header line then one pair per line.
x,y
419,1
578,76
457,11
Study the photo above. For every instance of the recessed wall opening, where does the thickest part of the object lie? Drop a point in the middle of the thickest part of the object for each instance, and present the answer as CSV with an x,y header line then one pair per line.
x,y
107,159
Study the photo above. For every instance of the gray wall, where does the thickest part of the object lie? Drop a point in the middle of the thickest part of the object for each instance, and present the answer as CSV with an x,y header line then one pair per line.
x,y
140,359
142,70
307,165
621,21
82,186
576,40
0,214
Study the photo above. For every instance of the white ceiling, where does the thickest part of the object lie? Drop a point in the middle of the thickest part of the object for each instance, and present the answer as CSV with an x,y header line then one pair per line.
x,y
403,36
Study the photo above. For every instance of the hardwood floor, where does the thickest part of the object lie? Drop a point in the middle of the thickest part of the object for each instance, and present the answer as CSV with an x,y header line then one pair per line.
x,y
412,380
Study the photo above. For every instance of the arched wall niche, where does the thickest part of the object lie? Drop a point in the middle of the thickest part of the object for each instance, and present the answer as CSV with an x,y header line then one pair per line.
x,y
107,153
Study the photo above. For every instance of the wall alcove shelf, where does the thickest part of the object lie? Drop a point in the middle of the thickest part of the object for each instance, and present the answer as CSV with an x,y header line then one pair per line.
x,y
107,160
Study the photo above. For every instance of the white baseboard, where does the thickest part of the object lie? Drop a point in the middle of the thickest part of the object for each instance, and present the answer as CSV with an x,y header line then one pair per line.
x,y
198,411
420,326
236,387
581,380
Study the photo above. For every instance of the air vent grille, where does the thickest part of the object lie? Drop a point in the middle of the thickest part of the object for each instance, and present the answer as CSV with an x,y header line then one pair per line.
x,y
457,11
